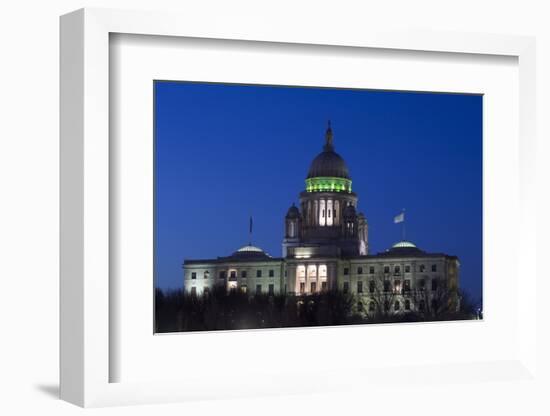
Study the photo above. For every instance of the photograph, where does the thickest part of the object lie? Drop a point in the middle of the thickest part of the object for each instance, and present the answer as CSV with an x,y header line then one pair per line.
x,y
291,206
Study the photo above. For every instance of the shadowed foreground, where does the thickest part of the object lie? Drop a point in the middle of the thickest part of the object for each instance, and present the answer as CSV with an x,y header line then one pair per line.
x,y
176,311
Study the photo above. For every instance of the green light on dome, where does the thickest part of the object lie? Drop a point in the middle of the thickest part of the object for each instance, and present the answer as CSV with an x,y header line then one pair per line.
x,y
328,184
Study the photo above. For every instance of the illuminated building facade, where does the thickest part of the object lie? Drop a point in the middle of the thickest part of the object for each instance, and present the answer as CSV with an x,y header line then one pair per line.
x,y
325,247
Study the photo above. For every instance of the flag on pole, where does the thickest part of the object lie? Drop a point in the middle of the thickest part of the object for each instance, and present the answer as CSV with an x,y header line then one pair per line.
x,y
250,228
399,218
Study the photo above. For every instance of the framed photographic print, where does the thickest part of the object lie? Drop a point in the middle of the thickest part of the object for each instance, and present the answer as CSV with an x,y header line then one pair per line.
x,y
229,154
291,212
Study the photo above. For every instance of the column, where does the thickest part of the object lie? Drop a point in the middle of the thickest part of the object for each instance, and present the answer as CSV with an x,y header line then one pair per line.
x,y
316,277
330,212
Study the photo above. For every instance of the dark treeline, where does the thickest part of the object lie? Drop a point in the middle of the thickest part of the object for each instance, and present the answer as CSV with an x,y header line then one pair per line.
x,y
177,311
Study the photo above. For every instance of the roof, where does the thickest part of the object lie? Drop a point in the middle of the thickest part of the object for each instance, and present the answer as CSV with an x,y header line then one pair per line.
x,y
406,248
328,164
404,244
293,212
247,253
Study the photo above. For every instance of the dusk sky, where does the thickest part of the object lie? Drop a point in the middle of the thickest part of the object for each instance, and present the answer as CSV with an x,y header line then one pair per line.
x,y
227,152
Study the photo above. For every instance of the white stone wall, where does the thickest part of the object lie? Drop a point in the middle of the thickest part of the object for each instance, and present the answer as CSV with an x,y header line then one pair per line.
x,y
249,282
339,273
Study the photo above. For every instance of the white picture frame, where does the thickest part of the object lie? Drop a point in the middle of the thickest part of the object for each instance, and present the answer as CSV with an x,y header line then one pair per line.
x,y
86,263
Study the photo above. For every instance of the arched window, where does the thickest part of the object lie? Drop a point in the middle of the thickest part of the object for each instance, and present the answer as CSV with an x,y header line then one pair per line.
x,y
407,305
372,306
396,306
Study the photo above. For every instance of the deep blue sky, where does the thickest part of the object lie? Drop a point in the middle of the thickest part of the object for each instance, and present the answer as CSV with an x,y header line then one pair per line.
x,y
225,152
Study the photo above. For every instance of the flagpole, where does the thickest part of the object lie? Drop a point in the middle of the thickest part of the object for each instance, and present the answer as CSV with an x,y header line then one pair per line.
x,y
250,232
403,225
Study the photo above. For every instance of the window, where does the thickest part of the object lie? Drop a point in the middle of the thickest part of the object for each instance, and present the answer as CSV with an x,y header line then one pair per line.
x,y
359,287
302,287
372,306
407,305
271,289
406,285
258,289
371,270
193,291
396,270
434,267
387,285
313,287
387,305
258,273
421,306
396,306
285,273
359,270
422,284
407,269
233,274
271,273
397,285
434,285
346,287
371,286
244,288
206,274
222,274
434,305
386,269
422,268
193,275
206,291
346,271
360,306
243,274
323,286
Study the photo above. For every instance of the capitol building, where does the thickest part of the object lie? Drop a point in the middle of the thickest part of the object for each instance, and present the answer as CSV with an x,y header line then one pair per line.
x,y
326,247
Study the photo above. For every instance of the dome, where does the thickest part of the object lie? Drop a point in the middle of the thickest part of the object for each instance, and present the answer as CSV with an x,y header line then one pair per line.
x,y
250,252
250,248
293,212
404,247
404,244
328,163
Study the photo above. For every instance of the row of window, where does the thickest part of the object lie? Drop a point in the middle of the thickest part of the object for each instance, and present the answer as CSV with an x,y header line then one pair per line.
x,y
270,289
233,274
313,286
396,269
372,286
396,285
397,305
243,288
